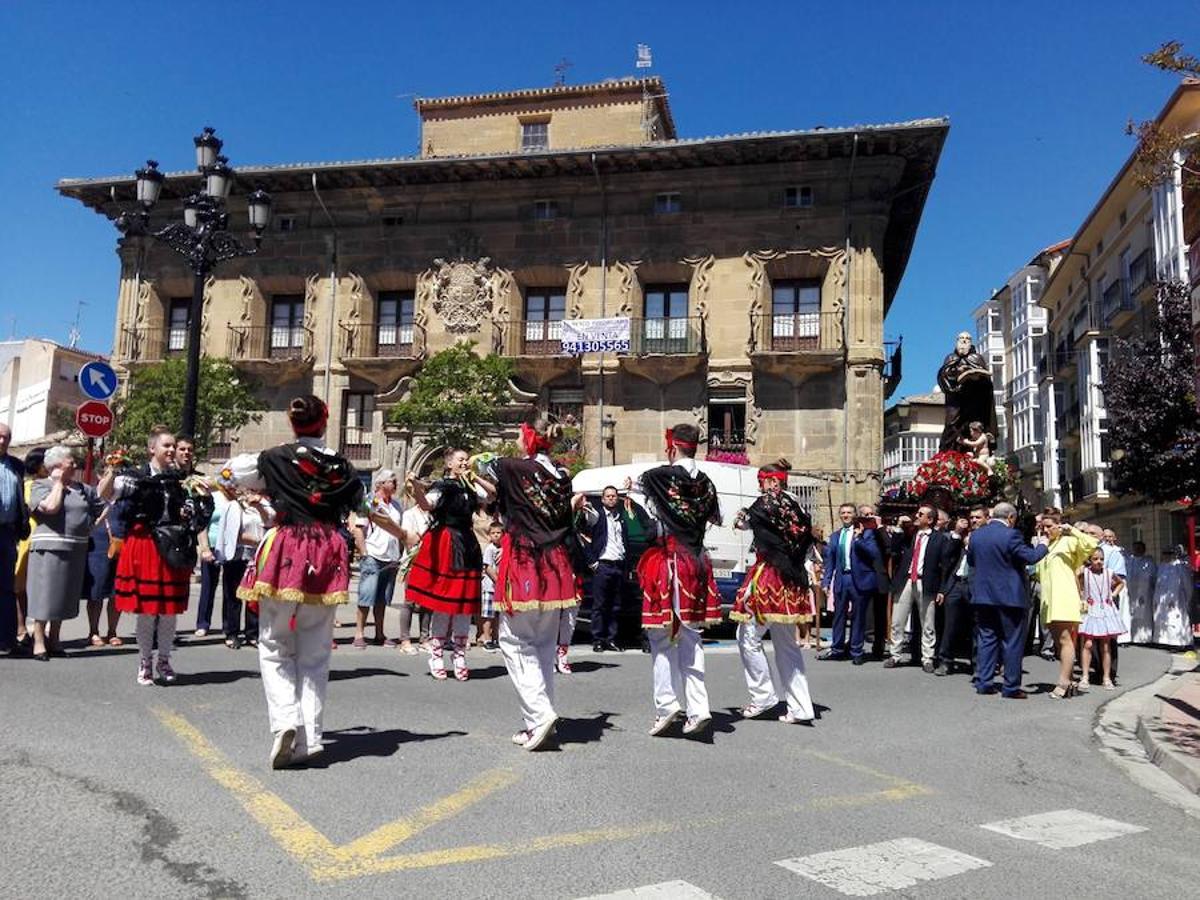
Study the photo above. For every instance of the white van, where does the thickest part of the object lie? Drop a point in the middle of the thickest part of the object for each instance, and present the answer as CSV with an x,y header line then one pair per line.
x,y
737,488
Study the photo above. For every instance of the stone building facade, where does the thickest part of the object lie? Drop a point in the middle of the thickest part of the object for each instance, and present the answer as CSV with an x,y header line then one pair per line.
x,y
756,271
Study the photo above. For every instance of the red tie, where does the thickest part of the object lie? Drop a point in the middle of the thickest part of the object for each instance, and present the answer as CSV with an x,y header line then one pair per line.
x,y
912,572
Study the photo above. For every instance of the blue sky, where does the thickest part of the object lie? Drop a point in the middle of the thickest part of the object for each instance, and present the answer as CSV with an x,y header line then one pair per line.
x,y
1038,95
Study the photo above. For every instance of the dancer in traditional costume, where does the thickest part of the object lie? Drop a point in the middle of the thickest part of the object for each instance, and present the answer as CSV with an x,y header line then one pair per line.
x,y
775,596
446,574
160,520
537,578
679,595
299,575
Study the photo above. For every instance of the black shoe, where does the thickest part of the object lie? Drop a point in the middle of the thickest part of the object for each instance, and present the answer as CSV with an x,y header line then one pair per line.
x,y
942,669
832,654
859,661
927,667
598,647
613,647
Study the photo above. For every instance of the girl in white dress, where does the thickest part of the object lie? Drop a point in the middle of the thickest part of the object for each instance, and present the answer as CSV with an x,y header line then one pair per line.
x,y
1102,620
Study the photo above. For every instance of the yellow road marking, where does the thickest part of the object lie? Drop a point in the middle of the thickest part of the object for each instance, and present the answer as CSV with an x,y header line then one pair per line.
x,y
326,861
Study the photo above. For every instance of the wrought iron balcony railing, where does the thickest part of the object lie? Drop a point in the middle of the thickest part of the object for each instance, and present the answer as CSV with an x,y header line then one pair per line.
x,y
372,340
263,342
795,332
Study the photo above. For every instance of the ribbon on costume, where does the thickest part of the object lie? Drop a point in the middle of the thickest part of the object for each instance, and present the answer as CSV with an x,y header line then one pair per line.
x,y
532,442
673,441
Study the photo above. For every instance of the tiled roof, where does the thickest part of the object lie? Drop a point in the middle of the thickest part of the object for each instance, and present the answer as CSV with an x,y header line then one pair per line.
x,y
557,90
251,170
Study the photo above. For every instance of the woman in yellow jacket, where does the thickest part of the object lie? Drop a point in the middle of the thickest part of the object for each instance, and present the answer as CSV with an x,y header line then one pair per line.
x,y
1062,606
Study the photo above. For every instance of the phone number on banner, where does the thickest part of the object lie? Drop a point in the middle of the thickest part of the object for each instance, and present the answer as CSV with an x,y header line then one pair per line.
x,y
606,346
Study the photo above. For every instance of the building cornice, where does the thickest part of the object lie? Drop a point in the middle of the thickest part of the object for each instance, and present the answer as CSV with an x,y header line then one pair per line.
x,y
918,143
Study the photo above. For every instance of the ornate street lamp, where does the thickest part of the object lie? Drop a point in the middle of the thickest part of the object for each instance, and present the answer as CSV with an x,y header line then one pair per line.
x,y
608,431
202,238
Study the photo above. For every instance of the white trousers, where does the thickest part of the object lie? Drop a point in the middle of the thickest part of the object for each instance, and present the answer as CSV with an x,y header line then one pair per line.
x,y
901,609
566,625
145,636
789,660
528,643
678,669
295,667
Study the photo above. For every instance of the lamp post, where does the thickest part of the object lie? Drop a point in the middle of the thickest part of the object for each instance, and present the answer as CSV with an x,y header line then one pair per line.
x,y
608,430
202,238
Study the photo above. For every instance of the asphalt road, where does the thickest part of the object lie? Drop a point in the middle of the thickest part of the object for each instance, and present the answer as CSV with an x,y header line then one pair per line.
x,y
110,788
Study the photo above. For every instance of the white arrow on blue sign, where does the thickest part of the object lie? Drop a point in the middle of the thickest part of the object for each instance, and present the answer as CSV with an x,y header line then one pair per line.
x,y
98,380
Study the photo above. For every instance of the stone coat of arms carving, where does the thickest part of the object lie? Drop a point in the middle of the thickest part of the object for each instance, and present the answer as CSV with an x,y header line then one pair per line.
x,y
462,293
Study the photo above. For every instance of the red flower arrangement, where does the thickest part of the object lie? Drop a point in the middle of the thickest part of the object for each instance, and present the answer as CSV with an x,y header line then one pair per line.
x,y
957,472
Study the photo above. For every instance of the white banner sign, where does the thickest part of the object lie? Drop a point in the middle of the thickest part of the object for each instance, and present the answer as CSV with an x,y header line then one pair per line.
x,y
595,335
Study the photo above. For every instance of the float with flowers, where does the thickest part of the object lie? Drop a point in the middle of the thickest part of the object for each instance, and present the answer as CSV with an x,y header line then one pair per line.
x,y
950,480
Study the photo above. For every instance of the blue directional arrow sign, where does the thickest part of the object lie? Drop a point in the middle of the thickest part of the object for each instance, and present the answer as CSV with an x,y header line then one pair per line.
x,y
98,380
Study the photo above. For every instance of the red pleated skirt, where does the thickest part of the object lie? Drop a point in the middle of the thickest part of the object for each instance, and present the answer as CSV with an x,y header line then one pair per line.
x,y
299,564
664,566
530,581
144,583
766,597
434,583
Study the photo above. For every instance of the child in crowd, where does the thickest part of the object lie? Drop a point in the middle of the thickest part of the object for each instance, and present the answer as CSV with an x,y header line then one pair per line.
x,y
491,570
1099,588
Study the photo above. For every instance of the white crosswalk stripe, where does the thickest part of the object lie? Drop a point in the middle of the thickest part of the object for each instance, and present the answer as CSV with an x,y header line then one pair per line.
x,y
1062,829
667,890
887,866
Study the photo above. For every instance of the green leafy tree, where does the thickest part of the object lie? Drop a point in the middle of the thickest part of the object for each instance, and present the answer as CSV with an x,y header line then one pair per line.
x,y
1150,398
455,396
155,396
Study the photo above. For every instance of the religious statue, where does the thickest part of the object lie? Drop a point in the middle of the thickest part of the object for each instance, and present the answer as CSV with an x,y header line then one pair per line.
x,y
966,381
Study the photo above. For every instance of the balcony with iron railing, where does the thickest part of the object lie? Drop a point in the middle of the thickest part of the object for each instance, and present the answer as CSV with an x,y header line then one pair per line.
x,y
795,340
1117,303
1141,274
1086,323
271,347
356,445
381,353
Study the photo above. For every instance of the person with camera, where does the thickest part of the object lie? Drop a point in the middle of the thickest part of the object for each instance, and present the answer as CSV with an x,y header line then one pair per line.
x,y
850,561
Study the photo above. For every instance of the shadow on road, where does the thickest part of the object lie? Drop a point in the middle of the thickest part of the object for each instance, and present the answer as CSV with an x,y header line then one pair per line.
x,y
584,731
360,740
228,676
363,672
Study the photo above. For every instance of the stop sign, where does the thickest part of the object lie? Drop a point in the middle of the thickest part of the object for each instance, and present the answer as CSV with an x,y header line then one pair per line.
x,y
94,418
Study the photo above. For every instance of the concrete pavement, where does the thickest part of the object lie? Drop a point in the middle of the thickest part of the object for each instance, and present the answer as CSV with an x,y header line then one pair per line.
x,y
908,783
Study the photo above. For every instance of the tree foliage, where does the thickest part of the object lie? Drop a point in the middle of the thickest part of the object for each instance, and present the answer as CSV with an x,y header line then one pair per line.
x,y
455,396
155,396
1154,160
1150,399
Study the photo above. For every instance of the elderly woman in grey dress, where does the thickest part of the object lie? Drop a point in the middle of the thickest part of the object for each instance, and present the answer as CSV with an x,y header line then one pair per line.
x,y
64,512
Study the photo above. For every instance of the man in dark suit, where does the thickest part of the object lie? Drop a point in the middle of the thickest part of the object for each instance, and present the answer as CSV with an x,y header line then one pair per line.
x,y
957,592
14,527
919,571
850,558
998,555
607,554
877,617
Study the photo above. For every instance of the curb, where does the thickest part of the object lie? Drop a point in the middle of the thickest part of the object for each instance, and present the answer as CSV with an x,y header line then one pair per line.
x,y
1184,768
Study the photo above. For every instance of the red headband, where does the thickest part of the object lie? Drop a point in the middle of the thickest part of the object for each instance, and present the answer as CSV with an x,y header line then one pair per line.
x,y
673,441
780,476
315,428
532,442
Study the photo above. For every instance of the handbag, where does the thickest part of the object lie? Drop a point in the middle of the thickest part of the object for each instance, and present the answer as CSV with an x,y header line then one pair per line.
x,y
176,545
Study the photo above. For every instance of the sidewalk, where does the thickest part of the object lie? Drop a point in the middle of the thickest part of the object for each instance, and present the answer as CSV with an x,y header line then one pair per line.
x,y
1169,722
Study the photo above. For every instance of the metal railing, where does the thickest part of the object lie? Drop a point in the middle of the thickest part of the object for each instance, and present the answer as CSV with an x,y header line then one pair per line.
x,y
727,441
356,445
1117,299
262,342
529,338
372,340
795,332
667,337
142,343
